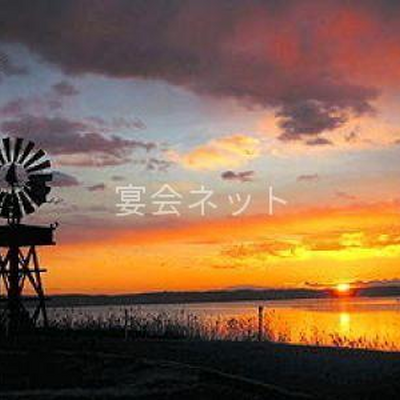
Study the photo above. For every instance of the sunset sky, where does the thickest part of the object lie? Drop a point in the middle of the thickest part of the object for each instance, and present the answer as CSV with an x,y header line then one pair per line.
x,y
235,96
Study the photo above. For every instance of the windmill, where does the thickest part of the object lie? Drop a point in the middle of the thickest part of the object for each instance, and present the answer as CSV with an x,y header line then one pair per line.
x,y
25,172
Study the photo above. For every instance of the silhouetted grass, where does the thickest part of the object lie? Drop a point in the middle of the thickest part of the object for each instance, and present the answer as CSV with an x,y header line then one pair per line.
x,y
135,323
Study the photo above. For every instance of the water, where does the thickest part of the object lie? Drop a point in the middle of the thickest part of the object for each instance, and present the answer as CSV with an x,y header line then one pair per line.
x,y
361,322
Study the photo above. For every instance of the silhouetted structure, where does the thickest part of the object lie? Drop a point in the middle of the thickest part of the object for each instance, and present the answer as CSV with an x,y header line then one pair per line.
x,y
23,178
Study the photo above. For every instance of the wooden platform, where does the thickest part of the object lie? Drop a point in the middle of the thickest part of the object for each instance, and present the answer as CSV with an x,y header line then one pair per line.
x,y
26,235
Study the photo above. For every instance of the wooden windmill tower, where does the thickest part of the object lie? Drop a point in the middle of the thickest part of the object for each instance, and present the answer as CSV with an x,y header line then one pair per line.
x,y
24,176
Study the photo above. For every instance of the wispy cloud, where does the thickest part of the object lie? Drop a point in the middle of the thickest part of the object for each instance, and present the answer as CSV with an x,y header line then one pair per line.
x,y
308,178
99,187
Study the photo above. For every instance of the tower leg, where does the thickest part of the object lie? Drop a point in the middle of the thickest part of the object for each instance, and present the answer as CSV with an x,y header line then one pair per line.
x,y
41,308
17,316
15,269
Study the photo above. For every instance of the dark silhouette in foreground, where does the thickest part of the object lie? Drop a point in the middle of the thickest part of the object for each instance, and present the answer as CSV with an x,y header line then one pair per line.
x,y
90,365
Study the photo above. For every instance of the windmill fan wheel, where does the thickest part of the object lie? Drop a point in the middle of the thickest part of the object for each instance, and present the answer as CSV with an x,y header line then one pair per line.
x,y
24,177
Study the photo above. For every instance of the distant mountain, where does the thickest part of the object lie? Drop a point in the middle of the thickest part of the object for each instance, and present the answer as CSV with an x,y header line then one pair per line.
x,y
378,291
214,296
74,300
184,297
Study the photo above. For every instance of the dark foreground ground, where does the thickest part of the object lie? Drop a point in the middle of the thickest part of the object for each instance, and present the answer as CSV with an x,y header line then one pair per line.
x,y
87,367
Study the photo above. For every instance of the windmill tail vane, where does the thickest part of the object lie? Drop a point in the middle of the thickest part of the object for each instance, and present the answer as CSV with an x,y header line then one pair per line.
x,y
25,173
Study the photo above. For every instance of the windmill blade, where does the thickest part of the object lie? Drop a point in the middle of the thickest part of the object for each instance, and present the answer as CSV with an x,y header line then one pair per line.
x,y
7,205
26,152
2,160
2,197
7,148
36,157
42,178
26,203
39,167
37,192
17,148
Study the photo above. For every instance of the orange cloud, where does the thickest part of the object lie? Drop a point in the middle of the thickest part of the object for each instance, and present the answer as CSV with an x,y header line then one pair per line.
x,y
224,152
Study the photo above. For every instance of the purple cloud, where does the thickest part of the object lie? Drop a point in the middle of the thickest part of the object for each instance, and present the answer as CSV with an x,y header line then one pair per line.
x,y
74,142
264,53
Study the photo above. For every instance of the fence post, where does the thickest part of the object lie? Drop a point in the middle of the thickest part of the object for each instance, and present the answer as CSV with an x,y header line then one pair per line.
x,y
260,323
126,325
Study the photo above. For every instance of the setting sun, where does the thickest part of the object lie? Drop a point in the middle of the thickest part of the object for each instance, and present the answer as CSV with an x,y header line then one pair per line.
x,y
343,288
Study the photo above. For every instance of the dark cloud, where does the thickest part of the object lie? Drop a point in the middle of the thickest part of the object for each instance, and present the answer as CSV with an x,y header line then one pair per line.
x,y
243,176
158,164
308,178
64,88
154,164
309,118
289,55
318,141
61,179
74,142
8,68
97,188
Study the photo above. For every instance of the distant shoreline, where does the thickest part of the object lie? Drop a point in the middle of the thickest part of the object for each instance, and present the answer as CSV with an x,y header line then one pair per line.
x,y
218,296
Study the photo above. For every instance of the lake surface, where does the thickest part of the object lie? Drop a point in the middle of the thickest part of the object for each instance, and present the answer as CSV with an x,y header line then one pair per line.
x,y
360,323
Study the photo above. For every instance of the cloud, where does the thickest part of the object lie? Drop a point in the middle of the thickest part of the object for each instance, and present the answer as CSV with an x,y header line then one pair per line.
x,y
49,101
156,164
351,137
97,188
65,88
317,63
308,178
117,123
303,246
311,117
319,141
276,248
61,179
8,68
243,176
227,151
117,178
345,196
34,104
74,142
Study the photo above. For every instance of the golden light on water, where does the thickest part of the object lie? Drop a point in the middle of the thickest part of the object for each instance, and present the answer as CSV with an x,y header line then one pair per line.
x,y
344,322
